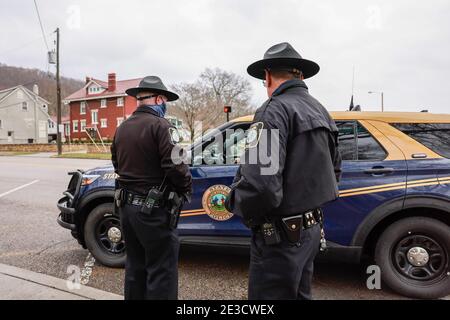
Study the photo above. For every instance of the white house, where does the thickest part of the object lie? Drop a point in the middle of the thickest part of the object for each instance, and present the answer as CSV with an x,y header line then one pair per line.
x,y
23,116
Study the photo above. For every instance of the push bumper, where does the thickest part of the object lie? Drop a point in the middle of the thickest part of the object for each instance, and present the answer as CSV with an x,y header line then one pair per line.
x,y
66,218
66,205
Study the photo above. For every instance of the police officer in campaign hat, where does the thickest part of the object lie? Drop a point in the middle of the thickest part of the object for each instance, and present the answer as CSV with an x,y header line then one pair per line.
x,y
151,188
283,206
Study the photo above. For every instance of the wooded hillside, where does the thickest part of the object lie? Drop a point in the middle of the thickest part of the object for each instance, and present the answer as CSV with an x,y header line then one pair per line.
x,y
13,76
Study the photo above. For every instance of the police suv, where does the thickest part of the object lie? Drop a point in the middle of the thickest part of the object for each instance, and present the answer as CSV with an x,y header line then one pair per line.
x,y
394,205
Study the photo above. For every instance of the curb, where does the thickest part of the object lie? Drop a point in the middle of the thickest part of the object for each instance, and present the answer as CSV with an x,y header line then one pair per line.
x,y
44,282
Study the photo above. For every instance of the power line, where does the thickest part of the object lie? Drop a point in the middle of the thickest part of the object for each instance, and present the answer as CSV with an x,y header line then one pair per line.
x,y
42,27
22,45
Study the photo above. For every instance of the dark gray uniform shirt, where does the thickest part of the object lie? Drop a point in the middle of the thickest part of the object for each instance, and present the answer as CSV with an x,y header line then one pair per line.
x,y
142,154
309,161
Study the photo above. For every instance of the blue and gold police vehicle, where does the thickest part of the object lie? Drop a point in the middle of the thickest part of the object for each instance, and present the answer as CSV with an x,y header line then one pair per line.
x,y
394,205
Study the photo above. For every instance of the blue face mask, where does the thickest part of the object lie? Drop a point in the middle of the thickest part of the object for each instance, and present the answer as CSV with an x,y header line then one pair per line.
x,y
160,109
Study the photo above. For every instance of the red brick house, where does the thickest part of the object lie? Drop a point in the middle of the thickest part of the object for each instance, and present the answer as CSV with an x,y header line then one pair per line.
x,y
101,106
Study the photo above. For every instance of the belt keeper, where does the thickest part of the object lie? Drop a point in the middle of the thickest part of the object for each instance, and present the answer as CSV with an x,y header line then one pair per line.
x,y
309,219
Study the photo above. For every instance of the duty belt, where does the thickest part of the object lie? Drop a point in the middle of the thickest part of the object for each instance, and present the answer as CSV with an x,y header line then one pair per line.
x,y
310,219
137,199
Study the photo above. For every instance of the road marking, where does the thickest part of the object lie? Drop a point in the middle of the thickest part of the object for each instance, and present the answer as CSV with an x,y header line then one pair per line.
x,y
18,188
17,253
86,272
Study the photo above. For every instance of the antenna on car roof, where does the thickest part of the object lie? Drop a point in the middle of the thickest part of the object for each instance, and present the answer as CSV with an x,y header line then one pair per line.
x,y
352,106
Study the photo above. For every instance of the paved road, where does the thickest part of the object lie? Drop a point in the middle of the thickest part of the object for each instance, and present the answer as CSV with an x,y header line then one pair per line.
x,y
31,239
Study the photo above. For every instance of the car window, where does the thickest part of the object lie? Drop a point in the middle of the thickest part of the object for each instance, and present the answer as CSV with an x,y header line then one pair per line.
x,y
347,140
225,148
356,143
435,136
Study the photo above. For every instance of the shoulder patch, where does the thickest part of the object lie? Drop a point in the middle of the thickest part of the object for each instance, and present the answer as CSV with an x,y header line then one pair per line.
x,y
254,134
174,136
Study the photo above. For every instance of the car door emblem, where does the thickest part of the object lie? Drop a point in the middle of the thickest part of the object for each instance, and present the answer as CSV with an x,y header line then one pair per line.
x,y
213,202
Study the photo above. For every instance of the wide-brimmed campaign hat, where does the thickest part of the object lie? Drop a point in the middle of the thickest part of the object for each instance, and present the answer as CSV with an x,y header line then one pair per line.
x,y
283,55
152,84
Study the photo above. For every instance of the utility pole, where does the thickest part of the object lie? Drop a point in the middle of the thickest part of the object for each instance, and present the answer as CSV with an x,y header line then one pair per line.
x,y
58,96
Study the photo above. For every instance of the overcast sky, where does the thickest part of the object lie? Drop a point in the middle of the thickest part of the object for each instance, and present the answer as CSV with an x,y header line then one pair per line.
x,y
400,47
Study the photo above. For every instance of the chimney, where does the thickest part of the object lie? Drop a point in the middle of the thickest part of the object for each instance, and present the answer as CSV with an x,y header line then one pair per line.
x,y
111,82
36,89
88,79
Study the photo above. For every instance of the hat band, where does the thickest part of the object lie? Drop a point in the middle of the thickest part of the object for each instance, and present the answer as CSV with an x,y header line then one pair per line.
x,y
292,70
146,97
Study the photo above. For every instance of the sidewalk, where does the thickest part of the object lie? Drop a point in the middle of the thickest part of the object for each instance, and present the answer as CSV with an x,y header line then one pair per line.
x,y
39,155
20,284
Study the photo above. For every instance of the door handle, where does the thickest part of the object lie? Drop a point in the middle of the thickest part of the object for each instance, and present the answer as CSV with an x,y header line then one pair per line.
x,y
379,171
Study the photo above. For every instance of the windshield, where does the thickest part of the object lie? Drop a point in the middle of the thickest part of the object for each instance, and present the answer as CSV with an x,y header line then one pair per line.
x,y
210,134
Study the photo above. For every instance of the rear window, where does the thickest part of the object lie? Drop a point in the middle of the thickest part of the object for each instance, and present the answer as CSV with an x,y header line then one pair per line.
x,y
356,143
435,136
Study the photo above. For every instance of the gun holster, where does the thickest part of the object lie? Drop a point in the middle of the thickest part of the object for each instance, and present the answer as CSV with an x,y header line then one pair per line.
x,y
119,200
175,203
292,227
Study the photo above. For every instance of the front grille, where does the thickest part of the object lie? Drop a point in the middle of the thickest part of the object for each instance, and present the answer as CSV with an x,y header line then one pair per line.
x,y
67,217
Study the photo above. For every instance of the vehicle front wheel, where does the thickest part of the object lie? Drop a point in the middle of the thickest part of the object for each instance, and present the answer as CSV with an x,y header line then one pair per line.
x,y
413,255
103,236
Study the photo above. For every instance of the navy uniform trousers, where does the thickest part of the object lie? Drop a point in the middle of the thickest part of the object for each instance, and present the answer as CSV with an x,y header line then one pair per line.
x,y
151,270
283,271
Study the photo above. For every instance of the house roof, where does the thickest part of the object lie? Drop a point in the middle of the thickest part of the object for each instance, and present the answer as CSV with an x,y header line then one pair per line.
x,y
121,87
6,92
2,94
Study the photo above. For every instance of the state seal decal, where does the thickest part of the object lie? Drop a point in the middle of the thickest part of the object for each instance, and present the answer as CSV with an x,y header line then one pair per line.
x,y
213,202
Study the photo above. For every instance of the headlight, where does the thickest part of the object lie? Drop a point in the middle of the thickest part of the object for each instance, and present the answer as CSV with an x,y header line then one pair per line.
x,y
89,179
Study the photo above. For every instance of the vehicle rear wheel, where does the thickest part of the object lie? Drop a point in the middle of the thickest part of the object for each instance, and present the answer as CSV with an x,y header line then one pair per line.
x,y
103,236
413,255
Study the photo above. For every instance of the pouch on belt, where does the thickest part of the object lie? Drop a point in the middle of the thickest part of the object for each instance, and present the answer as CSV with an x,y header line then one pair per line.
x,y
292,227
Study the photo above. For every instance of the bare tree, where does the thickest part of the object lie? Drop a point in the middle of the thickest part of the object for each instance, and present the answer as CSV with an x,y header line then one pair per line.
x,y
191,105
225,88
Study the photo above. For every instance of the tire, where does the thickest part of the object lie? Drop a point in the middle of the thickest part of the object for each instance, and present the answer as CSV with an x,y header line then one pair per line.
x,y
408,273
100,220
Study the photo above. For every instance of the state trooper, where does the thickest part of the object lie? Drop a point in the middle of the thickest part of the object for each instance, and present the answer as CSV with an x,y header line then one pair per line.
x,y
283,207
148,181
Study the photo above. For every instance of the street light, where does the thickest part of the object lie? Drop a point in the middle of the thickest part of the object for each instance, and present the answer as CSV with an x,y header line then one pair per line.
x,y
382,98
